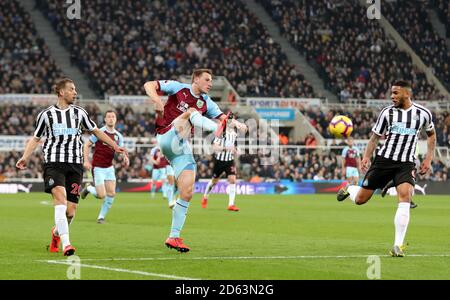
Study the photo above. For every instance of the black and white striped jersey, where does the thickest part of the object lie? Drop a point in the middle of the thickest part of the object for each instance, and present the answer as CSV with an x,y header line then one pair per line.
x,y
227,141
402,128
62,129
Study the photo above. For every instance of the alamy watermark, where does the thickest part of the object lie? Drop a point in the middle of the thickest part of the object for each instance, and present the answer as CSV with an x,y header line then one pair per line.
x,y
261,138
74,269
374,269
73,10
374,9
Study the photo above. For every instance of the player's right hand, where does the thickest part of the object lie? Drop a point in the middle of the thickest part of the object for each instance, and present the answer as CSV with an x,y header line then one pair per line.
x,y
21,164
159,109
87,166
120,150
365,164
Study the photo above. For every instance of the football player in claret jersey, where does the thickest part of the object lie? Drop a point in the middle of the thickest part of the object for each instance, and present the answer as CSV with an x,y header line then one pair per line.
x,y
184,109
102,166
351,162
162,171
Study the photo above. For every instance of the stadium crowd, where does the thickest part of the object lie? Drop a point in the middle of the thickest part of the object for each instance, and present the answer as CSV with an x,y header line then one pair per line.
x,y
363,120
416,28
352,54
121,44
313,166
442,8
308,163
20,121
25,63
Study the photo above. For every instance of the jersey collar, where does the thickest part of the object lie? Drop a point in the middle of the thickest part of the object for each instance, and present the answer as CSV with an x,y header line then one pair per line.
x,y
192,93
69,107
112,132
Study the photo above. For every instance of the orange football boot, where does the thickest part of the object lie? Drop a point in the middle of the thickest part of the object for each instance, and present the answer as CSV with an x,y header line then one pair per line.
x,y
177,243
54,245
233,208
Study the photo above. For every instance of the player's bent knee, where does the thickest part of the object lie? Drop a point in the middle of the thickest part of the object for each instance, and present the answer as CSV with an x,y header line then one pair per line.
x,y
360,200
187,194
404,197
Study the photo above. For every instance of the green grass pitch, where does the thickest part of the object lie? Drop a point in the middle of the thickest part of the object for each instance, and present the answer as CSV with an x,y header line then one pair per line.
x,y
272,237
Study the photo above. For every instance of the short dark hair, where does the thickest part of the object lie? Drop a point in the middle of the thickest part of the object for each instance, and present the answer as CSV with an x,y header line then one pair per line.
x,y
60,84
402,83
199,72
110,111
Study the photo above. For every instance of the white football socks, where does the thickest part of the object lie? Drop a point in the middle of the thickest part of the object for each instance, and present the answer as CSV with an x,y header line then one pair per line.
x,y
353,191
231,193
199,121
61,224
401,222
208,189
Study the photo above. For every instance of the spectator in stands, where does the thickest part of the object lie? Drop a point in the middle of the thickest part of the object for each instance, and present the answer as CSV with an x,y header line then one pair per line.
x,y
25,63
355,53
120,44
416,28
292,165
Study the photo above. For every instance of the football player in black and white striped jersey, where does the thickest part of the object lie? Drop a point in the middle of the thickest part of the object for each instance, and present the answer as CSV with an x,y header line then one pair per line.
x,y
401,123
61,124
225,149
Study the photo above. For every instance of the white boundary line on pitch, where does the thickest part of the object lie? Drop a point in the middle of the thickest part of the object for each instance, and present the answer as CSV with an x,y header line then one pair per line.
x,y
249,257
61,262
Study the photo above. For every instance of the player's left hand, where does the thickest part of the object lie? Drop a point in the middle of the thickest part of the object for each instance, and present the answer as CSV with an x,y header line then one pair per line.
x,y
365,164
126,161
159,109
121,150
240,126
425,167
21,164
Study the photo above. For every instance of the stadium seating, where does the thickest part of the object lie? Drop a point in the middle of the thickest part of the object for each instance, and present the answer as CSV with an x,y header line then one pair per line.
x,y
415,27
25,63
122,44
442,8
292,166
351,53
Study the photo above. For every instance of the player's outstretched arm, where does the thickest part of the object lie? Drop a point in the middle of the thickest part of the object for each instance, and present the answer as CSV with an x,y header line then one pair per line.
x,y
86,150
240,126
371,146
151,88
343,166
358,163
126,161
431,146
29,149
216,146
106,139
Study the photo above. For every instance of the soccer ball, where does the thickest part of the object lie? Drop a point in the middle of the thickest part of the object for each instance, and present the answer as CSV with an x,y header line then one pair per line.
x,y
340,126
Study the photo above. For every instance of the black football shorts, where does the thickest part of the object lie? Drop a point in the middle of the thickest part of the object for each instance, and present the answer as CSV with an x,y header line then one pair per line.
x,y
67,175
220,167
384,170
